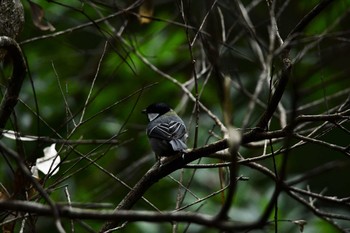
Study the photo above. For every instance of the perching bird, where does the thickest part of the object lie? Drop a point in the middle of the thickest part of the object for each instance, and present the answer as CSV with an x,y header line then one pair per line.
x,y
166,131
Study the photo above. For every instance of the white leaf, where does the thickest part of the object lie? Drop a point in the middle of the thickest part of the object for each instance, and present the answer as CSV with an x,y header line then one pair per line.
x,y
35,172
50,162
16,136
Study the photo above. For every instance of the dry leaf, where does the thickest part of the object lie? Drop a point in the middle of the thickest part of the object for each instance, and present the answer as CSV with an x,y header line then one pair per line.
x,y
145,11
38,17
301,223
4,194
35,172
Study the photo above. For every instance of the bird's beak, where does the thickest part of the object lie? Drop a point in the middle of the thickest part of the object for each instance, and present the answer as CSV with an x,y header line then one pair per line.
x,y
144,111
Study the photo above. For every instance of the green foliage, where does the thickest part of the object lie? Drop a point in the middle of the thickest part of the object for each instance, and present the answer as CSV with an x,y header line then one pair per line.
x,y
91,83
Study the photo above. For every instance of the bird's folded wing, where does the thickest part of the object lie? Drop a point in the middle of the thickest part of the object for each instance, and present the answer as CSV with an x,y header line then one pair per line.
x,y
168,131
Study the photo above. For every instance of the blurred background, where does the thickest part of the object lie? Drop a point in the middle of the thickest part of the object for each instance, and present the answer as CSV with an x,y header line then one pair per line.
x,y
94,65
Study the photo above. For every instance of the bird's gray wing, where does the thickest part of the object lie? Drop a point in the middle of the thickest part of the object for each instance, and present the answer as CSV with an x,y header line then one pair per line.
x,y
174,132
168,131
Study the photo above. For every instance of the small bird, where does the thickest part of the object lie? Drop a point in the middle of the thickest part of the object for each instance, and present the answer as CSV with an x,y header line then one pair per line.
x,y
166,131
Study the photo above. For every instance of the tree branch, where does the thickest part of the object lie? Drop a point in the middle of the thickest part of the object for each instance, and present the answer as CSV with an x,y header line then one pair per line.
x,y
15,83
123,215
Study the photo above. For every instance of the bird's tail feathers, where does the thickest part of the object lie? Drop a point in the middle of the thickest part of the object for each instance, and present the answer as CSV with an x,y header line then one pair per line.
x,y
178,145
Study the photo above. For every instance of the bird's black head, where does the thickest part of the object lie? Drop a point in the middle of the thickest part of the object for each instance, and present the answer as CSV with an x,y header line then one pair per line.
x,y
159,108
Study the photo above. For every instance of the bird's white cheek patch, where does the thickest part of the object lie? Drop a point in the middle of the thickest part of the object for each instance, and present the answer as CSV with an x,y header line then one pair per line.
x,y
152,116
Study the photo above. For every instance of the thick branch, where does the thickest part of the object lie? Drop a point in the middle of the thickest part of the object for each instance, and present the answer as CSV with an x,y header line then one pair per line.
x,y
123,215
15,83
157,172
